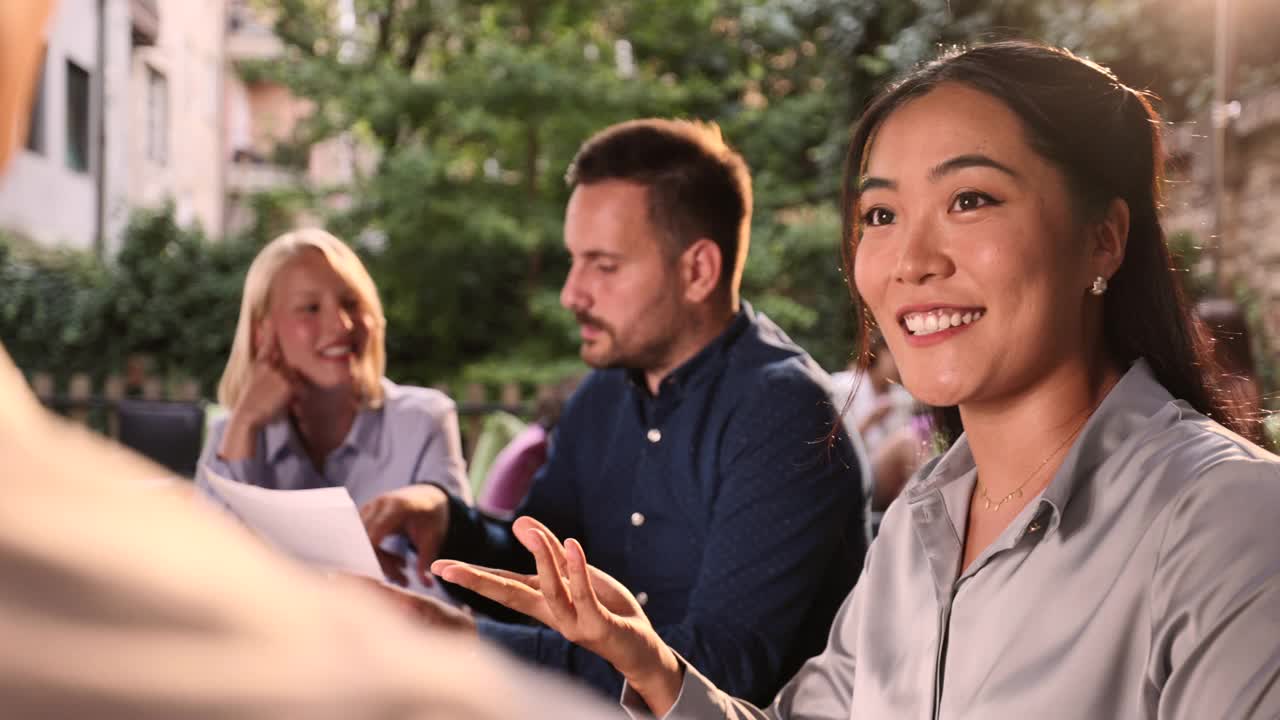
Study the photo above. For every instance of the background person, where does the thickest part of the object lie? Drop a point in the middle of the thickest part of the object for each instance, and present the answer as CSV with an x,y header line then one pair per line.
x,y
309,404
691,461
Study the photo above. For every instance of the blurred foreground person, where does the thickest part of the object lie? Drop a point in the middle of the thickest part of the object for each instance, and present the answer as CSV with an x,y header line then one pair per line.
x,y
105,614
1100,542
98,619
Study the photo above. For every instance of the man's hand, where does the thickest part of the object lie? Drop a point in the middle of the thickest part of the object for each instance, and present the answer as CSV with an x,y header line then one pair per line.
x,y
419,511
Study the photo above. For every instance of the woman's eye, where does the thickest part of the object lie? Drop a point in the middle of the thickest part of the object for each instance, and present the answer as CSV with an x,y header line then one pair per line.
x,y
877,216
971,200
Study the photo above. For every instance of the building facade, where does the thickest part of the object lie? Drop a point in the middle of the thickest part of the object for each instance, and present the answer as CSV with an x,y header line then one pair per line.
x,y
176,114
62,186
127,113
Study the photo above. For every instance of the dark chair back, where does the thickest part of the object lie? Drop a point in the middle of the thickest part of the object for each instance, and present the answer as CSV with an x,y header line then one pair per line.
x,y
168,432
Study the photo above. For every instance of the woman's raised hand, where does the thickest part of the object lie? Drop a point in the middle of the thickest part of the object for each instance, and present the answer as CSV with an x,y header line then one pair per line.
x,y
582,603
271,388
272,383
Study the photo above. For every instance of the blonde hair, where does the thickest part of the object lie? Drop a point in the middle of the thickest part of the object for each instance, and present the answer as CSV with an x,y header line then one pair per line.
x,y
257,296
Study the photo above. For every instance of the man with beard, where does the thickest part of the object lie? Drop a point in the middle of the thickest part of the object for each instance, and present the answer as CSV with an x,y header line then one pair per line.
x,y
701,463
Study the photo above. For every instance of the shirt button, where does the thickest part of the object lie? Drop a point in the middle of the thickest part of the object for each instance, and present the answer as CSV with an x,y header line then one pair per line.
x,y
637,519
654,435
642,598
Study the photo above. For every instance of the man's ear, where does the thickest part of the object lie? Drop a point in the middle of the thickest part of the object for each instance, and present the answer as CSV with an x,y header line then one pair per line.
x,y
701,266
1109,238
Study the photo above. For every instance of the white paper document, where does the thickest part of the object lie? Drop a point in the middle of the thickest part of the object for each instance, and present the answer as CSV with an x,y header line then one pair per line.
x,y
320,527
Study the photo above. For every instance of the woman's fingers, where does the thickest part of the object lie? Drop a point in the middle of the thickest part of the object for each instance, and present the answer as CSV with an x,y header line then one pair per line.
x,y
268,345
511,592
524,523
441,567
263,344
552,582
539,534
540,541
590,612
556,552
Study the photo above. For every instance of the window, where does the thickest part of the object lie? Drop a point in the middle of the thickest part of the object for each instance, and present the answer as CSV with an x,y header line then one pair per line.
x,y
157,117
78,105
35,127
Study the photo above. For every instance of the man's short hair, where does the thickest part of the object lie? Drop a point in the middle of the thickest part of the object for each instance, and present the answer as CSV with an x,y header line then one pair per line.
x,y
698,186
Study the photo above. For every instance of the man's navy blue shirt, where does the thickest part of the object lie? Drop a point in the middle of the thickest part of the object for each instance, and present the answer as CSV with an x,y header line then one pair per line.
x,y
719,503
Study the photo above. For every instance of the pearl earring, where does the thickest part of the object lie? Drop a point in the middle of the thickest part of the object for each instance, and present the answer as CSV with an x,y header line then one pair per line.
x,y
1099,286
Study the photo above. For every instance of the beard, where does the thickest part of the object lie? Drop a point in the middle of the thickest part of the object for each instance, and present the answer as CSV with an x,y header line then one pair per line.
x,y
602,352
608,351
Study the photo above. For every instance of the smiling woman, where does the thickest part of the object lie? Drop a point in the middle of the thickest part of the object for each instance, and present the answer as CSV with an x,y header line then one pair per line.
x,y
309,406
1097,542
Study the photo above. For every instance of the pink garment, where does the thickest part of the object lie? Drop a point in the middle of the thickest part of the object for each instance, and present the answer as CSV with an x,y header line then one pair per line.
x,y
512,472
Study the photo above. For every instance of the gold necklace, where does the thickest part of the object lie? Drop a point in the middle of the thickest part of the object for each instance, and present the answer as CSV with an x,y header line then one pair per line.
x,y
995,505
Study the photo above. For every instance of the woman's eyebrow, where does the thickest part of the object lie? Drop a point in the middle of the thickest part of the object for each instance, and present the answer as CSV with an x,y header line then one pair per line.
x,y
876,183
961,162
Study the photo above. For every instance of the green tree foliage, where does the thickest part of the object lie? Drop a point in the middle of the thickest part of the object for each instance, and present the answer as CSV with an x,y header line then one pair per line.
x,y
51,306
175,296
473,109
476,108
168,294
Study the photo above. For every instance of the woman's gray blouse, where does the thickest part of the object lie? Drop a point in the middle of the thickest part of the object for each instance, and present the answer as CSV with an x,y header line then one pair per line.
x,y
1144,582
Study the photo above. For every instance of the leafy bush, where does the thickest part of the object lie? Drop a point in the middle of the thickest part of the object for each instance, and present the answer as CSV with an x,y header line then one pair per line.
x,y
168,294
175,296
51,305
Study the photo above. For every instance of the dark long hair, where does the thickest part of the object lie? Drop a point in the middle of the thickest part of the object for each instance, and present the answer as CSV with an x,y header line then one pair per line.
x,y
1105,138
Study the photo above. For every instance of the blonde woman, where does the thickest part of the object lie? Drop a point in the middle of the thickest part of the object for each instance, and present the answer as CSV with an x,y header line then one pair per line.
x,y
309,406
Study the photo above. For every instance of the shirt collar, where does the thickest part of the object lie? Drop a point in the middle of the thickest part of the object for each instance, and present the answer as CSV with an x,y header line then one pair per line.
x,y
1135,398
706,363
1130,404
365,435
278,439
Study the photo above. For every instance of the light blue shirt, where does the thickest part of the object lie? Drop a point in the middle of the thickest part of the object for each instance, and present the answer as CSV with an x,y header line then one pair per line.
x,y
413,438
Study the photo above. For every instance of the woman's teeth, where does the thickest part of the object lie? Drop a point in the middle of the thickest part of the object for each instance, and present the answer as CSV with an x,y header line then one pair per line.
x,y
939,320
336,351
